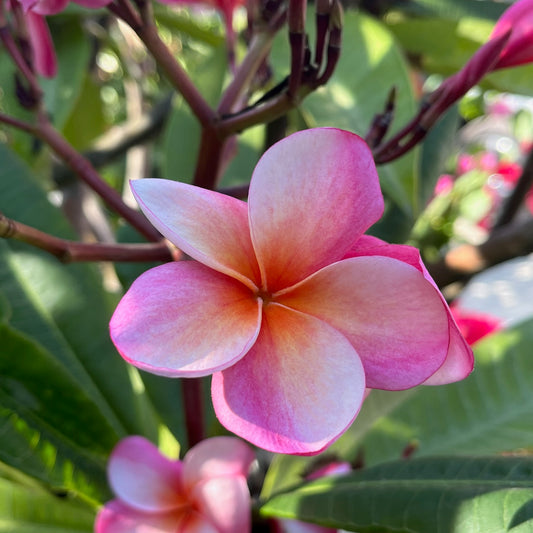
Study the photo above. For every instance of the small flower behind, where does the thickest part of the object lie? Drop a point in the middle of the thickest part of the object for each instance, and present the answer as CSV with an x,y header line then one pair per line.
x,y
204,493
291,308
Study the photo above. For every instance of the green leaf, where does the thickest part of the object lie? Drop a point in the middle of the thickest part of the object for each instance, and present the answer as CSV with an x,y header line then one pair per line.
x,y
456,9
73,55
44,406
63,307
288,470
32,510
489,412
448,495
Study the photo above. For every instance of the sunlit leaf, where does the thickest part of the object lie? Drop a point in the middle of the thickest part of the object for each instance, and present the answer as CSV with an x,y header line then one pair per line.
x,y
452,495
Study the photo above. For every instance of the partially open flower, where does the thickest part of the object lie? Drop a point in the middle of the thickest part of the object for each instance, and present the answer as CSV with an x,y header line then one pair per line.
x,y
518,18
290,307
204,493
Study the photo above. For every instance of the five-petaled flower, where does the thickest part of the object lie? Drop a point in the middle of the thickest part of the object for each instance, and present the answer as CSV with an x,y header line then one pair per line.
x,y
206,492
290,307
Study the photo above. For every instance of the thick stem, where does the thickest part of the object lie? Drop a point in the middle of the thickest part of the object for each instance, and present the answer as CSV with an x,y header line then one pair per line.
x,y
193,401
209,161
176,74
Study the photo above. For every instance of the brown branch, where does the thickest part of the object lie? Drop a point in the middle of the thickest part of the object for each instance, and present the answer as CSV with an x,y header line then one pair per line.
x,y
83,168
463,261
71,251
516,199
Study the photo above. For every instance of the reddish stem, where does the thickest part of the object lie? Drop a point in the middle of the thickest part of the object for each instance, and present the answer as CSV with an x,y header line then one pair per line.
x,y
193,401
70,251
83,168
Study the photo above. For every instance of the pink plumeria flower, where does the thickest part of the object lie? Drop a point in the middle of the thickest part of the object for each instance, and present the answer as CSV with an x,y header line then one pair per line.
x,y
519,48
204,493
290,307
44,56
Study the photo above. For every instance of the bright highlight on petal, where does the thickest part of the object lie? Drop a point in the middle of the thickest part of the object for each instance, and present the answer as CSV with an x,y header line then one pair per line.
x,y
208,226
291,308
309,200
153,496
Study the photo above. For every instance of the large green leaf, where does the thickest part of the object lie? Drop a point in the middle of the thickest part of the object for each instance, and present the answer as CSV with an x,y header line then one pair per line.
x,y
445,495
289,470
48,418
62,306
490,411
456,9
31,510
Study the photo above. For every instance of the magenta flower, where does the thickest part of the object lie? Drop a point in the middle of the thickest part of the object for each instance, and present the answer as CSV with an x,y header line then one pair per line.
x,y
287,304
519,48
474,326
204,493
44,56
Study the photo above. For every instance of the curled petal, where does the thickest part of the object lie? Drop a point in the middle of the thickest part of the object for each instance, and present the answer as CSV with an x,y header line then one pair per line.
x,y
217,457
116,517
389,312
184,319
42,45
225,503
211,227
459,360
300,386
144,479
311,196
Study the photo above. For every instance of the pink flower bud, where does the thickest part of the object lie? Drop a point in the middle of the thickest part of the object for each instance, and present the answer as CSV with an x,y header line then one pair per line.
x,y
519,49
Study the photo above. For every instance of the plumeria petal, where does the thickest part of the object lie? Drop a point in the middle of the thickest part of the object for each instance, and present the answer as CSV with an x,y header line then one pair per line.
x,y
225,503
42,45
519,49
185,319
143,478
459,361
216,457
116,517
49,7
283,394
389,312
211,227
311,196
